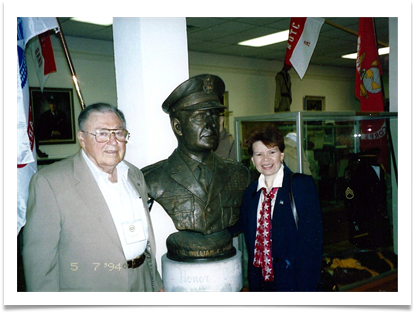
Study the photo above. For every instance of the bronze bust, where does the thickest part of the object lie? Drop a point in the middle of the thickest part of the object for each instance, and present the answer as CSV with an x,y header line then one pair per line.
x,y
200,191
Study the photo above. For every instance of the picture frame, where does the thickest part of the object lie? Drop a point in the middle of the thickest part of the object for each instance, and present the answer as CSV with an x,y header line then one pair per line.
x,y
53,115
225,101
314,103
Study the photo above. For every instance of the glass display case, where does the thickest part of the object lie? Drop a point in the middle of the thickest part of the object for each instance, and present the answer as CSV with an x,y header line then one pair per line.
x,y
332,147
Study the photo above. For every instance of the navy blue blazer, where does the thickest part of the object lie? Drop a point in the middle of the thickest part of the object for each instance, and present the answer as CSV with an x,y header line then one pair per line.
x,y
297,253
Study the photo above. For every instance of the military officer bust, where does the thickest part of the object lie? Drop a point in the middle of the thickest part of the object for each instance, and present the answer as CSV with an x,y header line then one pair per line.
x,y
200,191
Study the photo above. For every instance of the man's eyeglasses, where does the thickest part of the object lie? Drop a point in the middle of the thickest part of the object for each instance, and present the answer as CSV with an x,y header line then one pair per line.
x,y
103,135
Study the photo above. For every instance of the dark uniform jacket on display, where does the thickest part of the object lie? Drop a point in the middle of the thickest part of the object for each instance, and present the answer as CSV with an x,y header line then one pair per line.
x,y
366,204
283,97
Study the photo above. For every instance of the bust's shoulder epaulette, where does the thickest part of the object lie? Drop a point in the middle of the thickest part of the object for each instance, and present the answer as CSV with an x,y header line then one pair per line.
x,y
153,167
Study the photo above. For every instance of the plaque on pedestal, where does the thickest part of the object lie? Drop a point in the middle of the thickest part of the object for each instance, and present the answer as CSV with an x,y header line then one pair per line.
x,y
207,276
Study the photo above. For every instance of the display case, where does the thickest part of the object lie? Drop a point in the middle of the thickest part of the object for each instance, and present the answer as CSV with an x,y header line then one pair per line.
x,y
332,147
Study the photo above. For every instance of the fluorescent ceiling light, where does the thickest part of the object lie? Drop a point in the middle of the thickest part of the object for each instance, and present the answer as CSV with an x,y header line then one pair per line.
x,y
103,21
353,56
266,40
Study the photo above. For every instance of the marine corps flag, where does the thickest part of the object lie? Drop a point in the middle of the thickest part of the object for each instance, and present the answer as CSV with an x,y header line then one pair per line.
x,y
368,89
302,40
368,86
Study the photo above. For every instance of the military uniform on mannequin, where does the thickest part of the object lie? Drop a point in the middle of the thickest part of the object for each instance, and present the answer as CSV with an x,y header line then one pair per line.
x,y
290,152
226,146
200,191
366,201
283,96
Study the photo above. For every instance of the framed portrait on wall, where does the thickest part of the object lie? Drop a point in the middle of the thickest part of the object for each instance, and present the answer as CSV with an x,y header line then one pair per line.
x,y
53,115
314,103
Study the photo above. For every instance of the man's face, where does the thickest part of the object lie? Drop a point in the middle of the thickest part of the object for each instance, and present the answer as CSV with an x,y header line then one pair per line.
x,y
105,155
199,130
53,107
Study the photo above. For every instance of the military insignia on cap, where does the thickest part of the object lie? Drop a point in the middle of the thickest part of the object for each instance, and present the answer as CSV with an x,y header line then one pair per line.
x,y
208,84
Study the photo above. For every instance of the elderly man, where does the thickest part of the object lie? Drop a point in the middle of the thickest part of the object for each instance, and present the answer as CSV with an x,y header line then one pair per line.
x,y
200,191
88,226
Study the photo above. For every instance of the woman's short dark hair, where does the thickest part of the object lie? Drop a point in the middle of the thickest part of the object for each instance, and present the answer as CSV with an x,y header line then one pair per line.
x,y
101,108
269,134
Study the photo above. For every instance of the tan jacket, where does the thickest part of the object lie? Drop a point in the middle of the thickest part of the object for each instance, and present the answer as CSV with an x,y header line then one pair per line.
x,y
70,242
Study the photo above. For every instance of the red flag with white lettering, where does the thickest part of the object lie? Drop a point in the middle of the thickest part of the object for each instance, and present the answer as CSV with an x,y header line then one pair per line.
x,y
295,31
304,33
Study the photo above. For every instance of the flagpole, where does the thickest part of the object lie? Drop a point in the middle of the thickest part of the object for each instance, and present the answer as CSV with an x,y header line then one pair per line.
x,y
71,67
351,31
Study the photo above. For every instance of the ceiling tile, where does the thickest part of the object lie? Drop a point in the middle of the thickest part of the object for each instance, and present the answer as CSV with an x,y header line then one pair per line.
x,y
220,35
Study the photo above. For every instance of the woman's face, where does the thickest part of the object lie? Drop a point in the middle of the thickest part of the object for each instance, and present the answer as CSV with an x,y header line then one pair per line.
x,y
266,160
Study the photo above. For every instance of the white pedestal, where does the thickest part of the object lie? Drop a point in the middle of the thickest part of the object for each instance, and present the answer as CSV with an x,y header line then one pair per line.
x,y
222,275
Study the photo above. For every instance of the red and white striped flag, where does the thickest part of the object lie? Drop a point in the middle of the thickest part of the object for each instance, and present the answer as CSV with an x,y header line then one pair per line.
x,y
27,28
302,39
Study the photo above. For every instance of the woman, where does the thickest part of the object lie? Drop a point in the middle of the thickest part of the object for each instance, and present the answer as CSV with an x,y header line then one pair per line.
x,y
283,255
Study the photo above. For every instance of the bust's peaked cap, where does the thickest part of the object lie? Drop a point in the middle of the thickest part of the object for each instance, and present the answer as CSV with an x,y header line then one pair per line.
x,y
198,92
